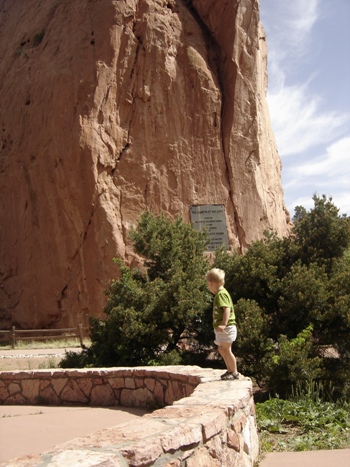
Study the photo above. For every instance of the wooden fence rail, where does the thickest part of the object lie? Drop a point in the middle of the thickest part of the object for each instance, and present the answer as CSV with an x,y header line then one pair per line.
x,y
14,335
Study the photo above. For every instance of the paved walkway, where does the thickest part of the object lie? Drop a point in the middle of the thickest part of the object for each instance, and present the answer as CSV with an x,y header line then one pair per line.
x,y
335,458
34,429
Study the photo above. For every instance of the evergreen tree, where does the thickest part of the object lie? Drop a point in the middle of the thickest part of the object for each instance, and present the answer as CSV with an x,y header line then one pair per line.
x,y
153,315
321,234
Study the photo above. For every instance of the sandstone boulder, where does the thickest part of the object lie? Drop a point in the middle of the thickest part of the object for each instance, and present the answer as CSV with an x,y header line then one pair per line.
x,y
109,108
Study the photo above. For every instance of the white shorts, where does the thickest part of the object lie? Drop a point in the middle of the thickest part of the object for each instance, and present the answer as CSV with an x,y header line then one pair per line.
x,y
228,335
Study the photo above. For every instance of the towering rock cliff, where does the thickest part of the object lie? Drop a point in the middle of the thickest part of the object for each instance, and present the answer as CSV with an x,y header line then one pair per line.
x,y
109,108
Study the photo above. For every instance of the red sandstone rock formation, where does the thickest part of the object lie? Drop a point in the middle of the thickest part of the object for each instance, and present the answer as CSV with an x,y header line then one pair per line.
x,y
109,108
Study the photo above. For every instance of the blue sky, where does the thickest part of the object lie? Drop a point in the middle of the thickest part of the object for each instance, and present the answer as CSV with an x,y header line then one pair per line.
x,y
309,96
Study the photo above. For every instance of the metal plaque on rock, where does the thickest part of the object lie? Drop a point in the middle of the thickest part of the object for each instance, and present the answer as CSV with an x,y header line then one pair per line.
x,y
212,219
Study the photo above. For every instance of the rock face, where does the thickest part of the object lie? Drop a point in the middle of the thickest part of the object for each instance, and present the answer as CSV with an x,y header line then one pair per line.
x,y
109,108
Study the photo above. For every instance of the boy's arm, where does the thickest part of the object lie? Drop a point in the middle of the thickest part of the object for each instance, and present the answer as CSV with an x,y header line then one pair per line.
x,y
225,318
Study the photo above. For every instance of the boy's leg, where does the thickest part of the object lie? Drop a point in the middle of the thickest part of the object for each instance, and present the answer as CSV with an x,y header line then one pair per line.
x,y
223,355
230,360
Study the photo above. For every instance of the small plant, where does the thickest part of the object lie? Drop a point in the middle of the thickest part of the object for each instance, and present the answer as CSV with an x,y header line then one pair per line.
x,y
76,360
49,364
20,51
304,424
38,38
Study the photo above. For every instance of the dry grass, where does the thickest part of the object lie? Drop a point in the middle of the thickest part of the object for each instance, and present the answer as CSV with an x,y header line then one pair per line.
x,y
29,363
46,344
28,357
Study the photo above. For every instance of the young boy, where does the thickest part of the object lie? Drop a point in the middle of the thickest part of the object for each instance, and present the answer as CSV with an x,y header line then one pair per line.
x,y
224,321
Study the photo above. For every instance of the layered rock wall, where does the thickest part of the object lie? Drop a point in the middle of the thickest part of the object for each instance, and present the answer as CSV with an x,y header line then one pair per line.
x,y
109,108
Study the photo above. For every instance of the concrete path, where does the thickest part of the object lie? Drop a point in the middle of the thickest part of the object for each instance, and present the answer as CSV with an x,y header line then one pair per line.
x,y
334,458
34,429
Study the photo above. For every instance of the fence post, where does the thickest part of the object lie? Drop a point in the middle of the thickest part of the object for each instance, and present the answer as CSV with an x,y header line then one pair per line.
x,y
81,335
13,337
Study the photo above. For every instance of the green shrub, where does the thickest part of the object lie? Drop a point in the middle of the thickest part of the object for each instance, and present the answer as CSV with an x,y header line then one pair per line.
x,y
154,315
38,38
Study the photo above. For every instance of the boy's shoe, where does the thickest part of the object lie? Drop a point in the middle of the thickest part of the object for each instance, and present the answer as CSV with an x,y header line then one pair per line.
x,y
229,376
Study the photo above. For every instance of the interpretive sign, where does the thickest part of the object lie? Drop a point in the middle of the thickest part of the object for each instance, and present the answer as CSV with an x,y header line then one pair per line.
x,y
211,218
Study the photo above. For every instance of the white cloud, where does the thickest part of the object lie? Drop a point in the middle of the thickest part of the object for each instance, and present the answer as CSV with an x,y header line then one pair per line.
x,y
328,174
289,27
298,122
303,16
305,201
342,201
335,163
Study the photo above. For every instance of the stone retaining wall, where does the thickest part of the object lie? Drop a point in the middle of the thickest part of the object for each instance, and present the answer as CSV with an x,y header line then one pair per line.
x,y
200,420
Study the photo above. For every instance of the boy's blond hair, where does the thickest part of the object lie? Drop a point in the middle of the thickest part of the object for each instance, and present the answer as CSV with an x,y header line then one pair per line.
x,y
216,275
